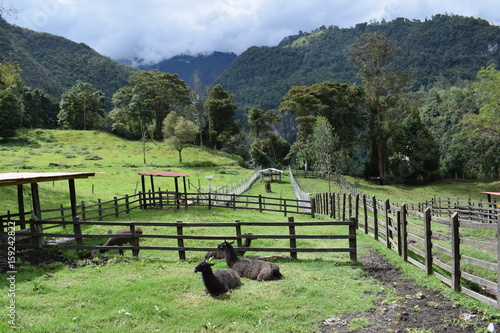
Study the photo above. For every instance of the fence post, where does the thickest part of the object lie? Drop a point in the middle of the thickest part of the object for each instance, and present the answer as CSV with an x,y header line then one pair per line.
x,y
116,206
209,200
356,207
313,207
455,250
99,209
343,206
352,240
77,229
127,203
428,241
36,228
284,206
180,241
375,218
293,240
238,233
404,232
84,214
135,241
349,202
365,211
260,203
332,205
387,207
498,261
399,236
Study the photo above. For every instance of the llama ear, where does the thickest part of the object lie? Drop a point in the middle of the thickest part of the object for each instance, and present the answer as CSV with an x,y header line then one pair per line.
x,y
231,242
210,264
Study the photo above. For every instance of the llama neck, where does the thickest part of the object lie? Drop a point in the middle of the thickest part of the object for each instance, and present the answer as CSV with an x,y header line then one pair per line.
x,y
230,254
211,282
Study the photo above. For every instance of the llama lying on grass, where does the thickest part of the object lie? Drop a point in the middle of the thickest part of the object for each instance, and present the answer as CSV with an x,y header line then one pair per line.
x,y
220,281
250,268
219,254
122,240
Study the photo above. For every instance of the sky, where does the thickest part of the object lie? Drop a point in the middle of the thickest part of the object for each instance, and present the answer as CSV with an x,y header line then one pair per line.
x,y
155,30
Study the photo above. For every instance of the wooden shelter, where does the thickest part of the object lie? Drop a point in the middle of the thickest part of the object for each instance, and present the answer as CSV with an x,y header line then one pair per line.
x,y
175,175
19,179
271,175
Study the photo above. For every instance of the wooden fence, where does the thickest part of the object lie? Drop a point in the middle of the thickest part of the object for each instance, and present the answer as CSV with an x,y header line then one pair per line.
x,y
190,241
462,253
161,200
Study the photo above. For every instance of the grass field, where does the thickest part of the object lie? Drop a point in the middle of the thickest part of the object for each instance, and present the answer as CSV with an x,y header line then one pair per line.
x,y
158,293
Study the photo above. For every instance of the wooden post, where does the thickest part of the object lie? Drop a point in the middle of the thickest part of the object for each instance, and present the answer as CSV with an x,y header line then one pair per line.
x,y
428,241
116,206
313,207
375,218
177,195
331,200
99,209
333,206
152,189
209,200
238,233
356,206
349,204
352,240
77,228
36,227
343,207
284,206
260,203
135,241
293,240
180,241
404,232
84,214
455,250
127,203
143,198
365,211
398,236
388,235
498,261
20,205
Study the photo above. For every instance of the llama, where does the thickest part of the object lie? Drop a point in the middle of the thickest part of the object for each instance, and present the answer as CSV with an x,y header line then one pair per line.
x,y
220,281
122,240
219,254
253,269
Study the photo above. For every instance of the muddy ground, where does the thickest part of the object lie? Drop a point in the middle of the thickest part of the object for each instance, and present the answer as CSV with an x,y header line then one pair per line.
x,y
414,309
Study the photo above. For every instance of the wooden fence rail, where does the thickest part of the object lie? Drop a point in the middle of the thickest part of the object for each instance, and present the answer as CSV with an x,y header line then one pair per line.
x,y
441,246
37,235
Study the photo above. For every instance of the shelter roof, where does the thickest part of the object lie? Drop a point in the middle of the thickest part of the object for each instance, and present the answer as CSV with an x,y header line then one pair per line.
x,y
271,169
18,178
492,193
162,174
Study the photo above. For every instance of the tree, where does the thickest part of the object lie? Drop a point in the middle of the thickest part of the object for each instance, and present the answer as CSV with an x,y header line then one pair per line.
x,y
11,87
261,121
484,127
160,93
179,132
337,102
373,54
301,146
82,107
40,110
220,110
416,157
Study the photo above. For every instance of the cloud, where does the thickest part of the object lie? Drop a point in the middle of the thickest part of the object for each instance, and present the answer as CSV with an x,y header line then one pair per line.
x,y
156,29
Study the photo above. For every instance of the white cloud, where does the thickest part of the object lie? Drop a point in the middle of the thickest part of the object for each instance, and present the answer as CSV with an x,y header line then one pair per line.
x,y
156,29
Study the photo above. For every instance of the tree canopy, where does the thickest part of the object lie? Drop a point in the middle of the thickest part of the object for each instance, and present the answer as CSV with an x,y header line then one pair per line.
x,y
11,88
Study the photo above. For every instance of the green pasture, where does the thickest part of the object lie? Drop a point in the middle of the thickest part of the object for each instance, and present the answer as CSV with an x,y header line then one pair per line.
x,y
157,292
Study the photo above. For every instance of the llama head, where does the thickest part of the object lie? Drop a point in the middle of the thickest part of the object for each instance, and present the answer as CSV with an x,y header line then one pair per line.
x,y
203,267
225,245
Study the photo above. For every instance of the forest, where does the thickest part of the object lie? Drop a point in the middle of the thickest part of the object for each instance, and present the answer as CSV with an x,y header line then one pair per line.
x,y
399,102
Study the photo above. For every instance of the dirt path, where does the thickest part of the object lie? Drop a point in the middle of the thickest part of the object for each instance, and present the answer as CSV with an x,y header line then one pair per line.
x,y
414,307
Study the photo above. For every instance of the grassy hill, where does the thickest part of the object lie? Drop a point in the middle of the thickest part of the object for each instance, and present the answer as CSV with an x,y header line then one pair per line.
x,y
53,63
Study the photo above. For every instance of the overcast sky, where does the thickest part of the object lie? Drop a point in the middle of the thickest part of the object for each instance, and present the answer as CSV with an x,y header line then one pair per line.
x,y
160,29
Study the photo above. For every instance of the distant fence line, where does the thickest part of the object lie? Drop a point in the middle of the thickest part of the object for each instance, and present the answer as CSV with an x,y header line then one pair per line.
x,y
179,241
301,195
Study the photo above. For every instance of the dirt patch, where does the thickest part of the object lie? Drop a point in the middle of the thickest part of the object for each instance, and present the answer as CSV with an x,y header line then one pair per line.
x,y
413,308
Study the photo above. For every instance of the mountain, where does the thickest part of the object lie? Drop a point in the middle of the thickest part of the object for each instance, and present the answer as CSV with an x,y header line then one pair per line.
x,y
206,66
53,63
450,48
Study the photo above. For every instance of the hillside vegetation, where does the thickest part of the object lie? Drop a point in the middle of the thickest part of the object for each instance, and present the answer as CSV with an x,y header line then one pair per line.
x,y
450,48
53,63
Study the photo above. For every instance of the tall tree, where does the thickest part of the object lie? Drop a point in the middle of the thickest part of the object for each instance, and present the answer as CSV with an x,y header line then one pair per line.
x,y
40,110
160,93
179,132
82,107
484,127
261,121
220,110
416,157
11,87
337,102
374,54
